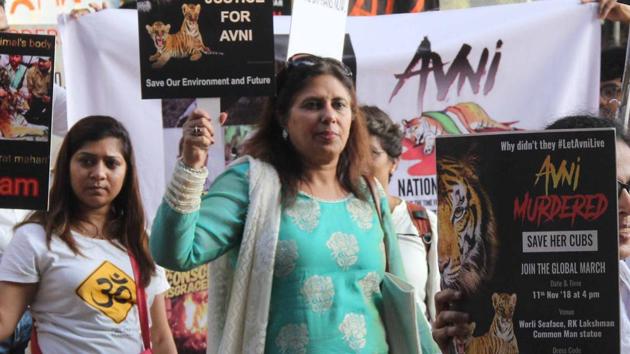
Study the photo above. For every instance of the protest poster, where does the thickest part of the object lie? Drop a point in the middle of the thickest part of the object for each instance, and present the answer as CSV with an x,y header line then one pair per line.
x,y
25,119
206,48
186,309
528,233
49,30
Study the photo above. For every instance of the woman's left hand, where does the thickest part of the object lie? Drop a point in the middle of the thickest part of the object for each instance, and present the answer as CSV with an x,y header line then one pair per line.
x,y
93,7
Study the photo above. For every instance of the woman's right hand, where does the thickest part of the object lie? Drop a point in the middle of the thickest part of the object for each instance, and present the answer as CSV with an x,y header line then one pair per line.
x,y
93,7
198,136
449,323
612,10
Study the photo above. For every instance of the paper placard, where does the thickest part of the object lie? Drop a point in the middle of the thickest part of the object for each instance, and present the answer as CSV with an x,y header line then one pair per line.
x,y
318,27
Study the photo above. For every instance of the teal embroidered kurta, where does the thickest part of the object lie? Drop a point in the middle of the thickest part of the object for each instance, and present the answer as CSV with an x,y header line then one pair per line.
x,y
330,260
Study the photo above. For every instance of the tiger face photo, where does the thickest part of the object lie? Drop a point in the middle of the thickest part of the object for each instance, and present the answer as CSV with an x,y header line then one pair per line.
x,y
159,33
468,244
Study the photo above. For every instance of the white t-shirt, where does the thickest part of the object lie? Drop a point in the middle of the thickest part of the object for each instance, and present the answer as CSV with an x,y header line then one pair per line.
x,y
624,296
414,257
8,219
82,303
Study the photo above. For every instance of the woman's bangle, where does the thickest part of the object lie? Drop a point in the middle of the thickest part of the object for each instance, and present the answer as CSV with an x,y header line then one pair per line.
x,y
183,193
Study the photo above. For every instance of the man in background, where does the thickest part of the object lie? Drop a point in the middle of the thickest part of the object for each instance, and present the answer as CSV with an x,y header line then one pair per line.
x,y
16,70
39,84
610,93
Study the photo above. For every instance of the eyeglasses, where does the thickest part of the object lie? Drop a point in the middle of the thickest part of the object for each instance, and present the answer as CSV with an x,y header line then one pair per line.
x,y
304,60
621,187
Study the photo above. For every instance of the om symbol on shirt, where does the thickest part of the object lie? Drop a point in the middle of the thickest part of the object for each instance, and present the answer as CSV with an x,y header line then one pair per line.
x,y
109,290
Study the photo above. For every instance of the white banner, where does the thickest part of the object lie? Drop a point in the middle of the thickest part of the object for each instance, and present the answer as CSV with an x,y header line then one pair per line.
x,y
103,78
482,69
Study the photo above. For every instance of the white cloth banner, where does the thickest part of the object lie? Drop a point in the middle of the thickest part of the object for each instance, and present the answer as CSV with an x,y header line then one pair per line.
x,y
103,78
482,69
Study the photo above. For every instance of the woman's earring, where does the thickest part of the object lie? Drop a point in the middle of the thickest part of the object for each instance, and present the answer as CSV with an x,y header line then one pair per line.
x,y
285,134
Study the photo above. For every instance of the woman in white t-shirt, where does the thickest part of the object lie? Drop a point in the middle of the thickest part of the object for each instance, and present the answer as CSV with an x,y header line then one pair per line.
x,y
71,263
419,254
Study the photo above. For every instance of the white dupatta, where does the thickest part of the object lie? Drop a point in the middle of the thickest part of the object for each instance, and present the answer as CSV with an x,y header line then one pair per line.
x,y
239,297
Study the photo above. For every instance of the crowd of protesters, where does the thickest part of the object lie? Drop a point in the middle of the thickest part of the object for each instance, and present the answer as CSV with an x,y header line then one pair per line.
x,y
311,182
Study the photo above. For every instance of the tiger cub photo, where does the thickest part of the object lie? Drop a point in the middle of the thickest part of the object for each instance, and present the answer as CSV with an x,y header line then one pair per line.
x,y
486,344
500,338
183,44
502,325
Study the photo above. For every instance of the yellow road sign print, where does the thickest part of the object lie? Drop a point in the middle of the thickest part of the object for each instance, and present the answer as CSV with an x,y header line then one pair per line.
x,y
109,290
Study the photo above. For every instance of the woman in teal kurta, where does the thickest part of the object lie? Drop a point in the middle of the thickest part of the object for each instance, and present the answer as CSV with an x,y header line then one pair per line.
x,y
329,256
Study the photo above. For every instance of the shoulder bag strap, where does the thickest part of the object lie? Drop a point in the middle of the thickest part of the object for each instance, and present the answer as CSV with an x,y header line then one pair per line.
x,y
377,204
420,220
141,301
35,349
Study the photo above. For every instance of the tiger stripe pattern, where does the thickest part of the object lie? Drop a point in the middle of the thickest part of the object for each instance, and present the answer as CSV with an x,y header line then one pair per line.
x,y
468,244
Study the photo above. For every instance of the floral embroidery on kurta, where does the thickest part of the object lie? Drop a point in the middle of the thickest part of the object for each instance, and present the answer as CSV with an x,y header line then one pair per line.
x,y
370,284
293,339
345,249
286,256
319,292
305,214
354,331
361,212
